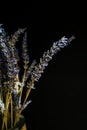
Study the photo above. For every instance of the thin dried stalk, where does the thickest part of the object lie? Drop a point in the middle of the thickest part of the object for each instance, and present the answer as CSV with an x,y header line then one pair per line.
x,y
11,112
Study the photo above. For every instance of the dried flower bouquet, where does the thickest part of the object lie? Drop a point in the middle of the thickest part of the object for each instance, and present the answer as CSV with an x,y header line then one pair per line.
x,y
11,86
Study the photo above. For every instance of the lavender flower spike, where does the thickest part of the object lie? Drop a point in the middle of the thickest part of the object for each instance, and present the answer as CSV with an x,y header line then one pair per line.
x,y
47,56
27,103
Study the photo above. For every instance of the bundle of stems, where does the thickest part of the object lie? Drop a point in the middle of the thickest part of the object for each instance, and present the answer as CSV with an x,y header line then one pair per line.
x,y
11,85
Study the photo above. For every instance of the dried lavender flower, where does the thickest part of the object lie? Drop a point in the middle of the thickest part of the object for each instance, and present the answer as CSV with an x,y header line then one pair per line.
x,y
25,50
11,85
27,103
15,36
47,56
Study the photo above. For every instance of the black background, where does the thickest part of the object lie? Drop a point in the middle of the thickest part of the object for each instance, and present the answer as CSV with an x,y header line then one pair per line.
x,y
60,98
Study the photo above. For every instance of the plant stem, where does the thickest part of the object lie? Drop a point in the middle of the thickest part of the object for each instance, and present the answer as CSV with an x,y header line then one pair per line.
x,y
11,113
23,80
5,114
19,113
